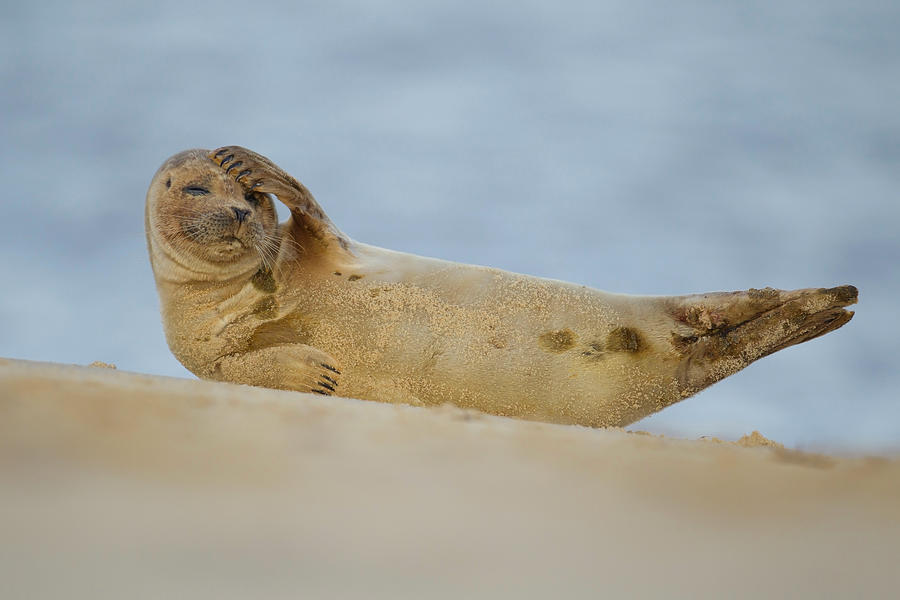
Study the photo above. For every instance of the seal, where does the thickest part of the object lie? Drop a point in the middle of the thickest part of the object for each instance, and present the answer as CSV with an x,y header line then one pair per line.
x,y
301,306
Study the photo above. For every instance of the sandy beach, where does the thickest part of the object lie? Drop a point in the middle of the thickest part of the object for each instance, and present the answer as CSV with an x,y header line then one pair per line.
x,y
115,484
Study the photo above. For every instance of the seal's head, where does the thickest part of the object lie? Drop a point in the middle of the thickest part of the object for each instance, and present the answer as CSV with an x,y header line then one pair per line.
x,y
202,225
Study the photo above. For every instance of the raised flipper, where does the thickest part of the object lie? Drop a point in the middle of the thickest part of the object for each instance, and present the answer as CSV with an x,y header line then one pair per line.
x,y
256,173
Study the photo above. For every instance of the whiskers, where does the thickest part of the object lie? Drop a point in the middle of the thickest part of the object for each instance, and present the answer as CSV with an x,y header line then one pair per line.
x,y
200,235
267,247
270,246
296,246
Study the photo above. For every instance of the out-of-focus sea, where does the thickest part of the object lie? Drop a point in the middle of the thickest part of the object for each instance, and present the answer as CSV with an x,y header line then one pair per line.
x,y
636,147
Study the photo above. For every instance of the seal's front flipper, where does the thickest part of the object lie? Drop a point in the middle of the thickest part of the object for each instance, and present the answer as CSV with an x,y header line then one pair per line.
x,y
719,334
257,174
288,367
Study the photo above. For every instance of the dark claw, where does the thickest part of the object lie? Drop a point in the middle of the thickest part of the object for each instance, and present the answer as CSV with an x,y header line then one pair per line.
x,y
327,386
330,368
320,392
228,158
236,163
221,151
329,379
257,184
243,173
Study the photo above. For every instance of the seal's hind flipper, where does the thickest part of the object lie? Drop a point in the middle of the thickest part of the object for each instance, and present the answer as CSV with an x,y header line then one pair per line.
x,y
727,331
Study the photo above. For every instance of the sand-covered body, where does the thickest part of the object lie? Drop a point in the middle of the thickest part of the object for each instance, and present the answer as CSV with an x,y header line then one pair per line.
x,y
423,331
375,324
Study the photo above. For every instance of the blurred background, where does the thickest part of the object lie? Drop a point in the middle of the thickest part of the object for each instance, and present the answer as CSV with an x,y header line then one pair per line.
x,y
658,148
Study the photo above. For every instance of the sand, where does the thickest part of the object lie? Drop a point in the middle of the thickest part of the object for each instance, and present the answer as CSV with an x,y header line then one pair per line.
x,y
119,485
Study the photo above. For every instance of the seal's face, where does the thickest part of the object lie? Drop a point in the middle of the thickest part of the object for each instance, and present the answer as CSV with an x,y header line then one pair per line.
x,y
201,213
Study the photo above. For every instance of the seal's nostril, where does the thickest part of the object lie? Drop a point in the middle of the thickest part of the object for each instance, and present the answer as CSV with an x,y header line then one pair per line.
x,y
240,214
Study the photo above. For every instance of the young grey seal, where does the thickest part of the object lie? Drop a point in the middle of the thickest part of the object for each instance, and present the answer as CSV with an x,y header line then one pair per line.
x,y
301,306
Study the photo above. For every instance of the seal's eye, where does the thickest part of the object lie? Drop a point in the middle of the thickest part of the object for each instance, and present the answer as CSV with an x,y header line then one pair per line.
x,y
196,190
251,199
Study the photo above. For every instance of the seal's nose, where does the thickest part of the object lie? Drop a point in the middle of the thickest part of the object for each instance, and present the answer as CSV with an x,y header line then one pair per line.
x,y
240,214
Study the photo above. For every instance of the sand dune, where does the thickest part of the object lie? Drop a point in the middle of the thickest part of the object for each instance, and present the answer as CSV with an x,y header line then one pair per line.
x,y
122,485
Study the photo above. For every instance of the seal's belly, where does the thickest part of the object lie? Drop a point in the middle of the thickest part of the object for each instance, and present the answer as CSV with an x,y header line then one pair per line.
x,y
504,343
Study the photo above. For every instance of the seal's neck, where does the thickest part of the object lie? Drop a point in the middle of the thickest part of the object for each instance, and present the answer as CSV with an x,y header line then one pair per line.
x,y
172,267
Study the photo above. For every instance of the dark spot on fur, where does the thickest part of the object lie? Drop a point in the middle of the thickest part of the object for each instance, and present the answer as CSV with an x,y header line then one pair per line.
x,y
557,341
594,351
266,308
264,282
683,342
338,273
624,339
355,277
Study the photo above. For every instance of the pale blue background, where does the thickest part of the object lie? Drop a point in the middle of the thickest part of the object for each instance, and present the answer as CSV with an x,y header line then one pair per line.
x,y
640,147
